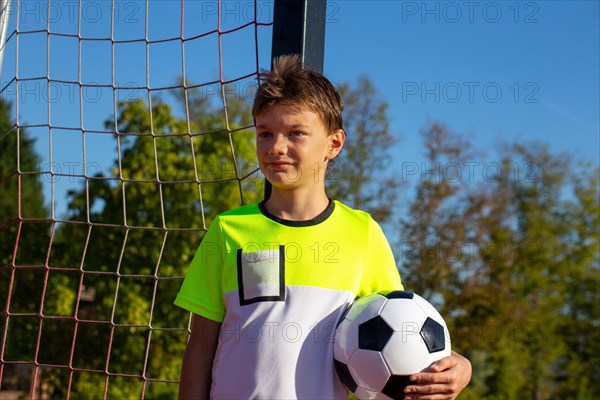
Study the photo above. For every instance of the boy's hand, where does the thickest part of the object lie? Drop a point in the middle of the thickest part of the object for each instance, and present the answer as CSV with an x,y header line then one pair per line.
x,y
444,380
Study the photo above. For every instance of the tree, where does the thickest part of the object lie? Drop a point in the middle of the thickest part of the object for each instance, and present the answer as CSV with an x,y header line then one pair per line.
x,y
435,221
24,240
20,191
511,258
356,175
145,224
579,365
512,261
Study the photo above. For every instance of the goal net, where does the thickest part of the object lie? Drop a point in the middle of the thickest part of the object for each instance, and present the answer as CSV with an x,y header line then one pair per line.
x,y
124,129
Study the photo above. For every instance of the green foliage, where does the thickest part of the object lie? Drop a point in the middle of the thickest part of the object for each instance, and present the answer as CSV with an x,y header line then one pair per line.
x,y
132,233
513,262
146,230
24,237
356,176
21,193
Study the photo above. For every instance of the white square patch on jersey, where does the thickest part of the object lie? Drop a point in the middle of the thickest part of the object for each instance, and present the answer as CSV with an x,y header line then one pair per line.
x,y
261,275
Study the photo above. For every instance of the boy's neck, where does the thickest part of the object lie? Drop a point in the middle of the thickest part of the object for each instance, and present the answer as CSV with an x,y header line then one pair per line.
x,y
294,206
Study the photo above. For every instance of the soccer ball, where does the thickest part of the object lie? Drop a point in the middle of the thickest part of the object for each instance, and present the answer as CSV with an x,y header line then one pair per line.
x,y
383,338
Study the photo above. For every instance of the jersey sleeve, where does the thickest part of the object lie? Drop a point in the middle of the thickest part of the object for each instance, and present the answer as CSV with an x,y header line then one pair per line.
x,y
201,291
380,271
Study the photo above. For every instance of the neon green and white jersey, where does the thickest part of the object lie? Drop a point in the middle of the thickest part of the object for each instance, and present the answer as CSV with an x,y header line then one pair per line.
x,y
279,288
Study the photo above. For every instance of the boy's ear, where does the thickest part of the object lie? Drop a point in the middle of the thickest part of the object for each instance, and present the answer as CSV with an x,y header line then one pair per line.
x,y
336,142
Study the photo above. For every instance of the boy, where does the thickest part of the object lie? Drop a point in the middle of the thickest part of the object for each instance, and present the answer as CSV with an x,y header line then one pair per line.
x,y
270,280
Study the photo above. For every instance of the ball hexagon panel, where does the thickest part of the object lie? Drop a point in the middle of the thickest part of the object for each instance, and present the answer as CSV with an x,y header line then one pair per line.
x,y
433,335
369,394
374,334
345,375
428,309
375,376
399,294
394,387
403,315
405,353
346,338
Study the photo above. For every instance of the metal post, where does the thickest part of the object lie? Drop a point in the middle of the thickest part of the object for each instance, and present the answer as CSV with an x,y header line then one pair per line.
x,y
299,28
4,13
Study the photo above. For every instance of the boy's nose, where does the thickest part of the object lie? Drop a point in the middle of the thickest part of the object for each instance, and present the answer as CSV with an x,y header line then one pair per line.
x,y
279,145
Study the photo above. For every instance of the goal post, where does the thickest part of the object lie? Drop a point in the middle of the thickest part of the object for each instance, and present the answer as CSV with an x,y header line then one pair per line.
x,y
5,6
299,28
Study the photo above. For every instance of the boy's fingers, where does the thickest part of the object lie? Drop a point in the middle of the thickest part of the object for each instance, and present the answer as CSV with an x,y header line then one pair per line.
x,y
427,378
429,390
436,388
439,382
419,396
443,364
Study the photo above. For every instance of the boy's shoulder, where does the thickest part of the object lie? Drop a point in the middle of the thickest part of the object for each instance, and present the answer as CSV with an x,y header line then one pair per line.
x,y
247,210
354,213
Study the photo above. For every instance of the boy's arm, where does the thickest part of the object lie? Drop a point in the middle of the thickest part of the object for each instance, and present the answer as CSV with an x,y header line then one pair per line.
x,y
196,369
445,380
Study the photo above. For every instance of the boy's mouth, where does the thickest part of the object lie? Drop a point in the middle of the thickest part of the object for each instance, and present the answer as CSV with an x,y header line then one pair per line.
x,y
279,164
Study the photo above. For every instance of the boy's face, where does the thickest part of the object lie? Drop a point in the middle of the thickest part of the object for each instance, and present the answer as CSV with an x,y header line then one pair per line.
x,y
293,146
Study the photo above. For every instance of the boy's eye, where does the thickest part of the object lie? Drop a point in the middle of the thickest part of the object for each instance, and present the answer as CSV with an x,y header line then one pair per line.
x,y
263,134
296,133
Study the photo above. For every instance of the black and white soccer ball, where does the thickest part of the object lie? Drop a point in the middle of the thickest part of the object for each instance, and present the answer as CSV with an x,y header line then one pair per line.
x,y
383,338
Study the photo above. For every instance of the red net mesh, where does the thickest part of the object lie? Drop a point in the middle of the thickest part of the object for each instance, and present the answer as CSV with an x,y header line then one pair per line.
x,y
124,128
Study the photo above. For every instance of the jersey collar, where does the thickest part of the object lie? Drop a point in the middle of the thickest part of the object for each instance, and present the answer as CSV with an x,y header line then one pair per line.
x,y
309,222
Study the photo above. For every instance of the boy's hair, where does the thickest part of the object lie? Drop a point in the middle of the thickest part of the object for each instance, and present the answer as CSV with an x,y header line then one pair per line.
x,y
288,83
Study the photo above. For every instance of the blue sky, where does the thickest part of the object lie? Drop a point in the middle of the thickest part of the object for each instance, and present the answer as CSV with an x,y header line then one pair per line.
x,y
499,72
